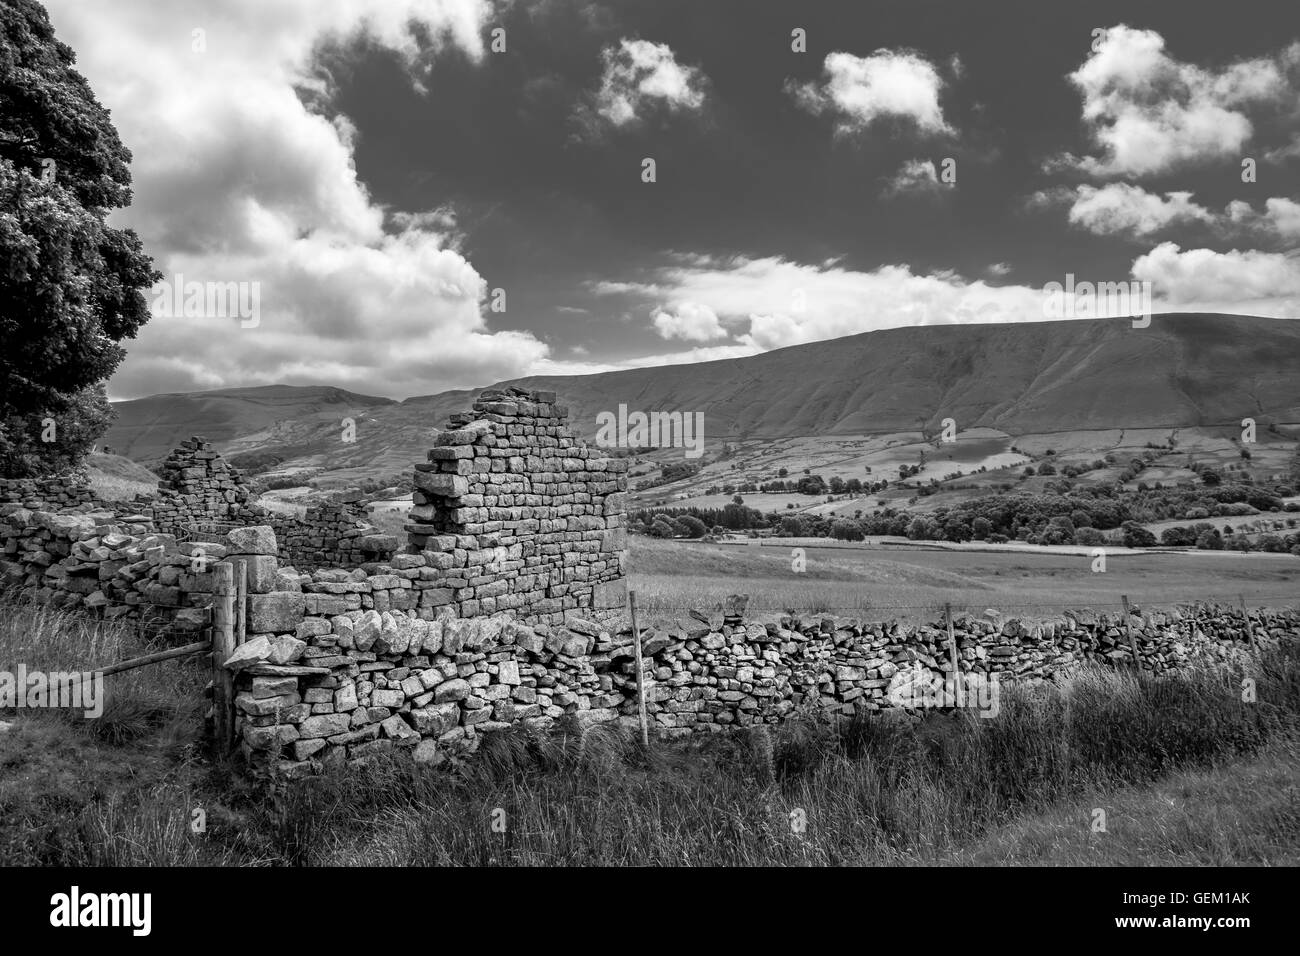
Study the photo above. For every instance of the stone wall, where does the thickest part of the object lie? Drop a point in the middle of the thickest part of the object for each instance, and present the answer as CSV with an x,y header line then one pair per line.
x,y
199,491
109,564
51,494
518,514
196,486
356,670
333,533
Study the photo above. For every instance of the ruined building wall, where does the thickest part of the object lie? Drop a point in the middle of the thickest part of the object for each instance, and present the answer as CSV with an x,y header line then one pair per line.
x,y
514,512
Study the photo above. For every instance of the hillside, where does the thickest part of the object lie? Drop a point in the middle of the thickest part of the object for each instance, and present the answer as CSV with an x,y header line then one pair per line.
x,y
1185,369
1020,378
146,429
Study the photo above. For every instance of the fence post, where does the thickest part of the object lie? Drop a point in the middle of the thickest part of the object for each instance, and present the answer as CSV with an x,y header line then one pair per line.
x,y
1128,629
223,645
952,652
1250,628
640,670
241,601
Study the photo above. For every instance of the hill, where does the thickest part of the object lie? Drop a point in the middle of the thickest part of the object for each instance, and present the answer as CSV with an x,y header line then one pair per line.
x,y
1185,370
148,428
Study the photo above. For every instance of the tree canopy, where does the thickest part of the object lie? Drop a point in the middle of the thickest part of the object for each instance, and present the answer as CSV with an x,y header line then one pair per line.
x,y
71,287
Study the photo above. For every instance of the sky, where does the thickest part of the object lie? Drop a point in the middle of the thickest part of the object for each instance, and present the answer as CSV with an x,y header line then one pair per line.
x,y
436,194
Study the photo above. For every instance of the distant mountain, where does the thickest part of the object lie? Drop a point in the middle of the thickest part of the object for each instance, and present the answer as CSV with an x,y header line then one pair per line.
x,y
1184,370
148,428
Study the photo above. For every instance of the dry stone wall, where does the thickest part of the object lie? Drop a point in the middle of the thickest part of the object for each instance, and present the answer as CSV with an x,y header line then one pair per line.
x,y
199,491
517,513
113,565
51,494
353,667
333,533
196,486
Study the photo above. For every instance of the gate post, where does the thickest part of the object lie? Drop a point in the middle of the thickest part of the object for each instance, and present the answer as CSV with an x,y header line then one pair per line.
x,y
223,645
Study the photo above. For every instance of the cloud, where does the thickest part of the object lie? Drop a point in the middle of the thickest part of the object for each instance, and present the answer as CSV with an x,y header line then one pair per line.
x,y
1202,280
1149,113
782,303
859,91
1283,217
999,269
244,172
692,322
640,77
1128,210
916,177
774,303
1121,208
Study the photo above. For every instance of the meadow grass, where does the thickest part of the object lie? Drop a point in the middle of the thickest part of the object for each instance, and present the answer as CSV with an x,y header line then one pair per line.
x,y
672,576
1186,771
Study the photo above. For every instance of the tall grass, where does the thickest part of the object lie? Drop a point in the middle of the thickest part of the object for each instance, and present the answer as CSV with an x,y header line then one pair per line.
x,y
871,791
877,790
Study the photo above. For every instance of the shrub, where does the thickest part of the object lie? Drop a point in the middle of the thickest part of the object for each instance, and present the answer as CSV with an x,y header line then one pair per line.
x,y
1136,536
1089,536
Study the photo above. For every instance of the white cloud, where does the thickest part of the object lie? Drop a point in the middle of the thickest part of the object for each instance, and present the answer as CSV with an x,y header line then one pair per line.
x,y
888,84
239,175
1125,209
1202,280
639,76
1149,113
916,177
787,303
1122,208
778,303
1283,216
691,321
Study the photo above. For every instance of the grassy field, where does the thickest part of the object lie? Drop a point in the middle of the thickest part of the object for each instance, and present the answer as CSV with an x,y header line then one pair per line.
x,y
115,478
1186,772
670,576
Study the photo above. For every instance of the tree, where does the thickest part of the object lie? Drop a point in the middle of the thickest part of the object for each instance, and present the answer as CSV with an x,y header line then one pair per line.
x,y
694,527
1136,536
846,529
662,529
73,287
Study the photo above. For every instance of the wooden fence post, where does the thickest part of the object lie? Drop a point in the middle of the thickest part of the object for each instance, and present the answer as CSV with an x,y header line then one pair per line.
x,y
223,645
957,689
1250,628
640,670
241,601
1128,629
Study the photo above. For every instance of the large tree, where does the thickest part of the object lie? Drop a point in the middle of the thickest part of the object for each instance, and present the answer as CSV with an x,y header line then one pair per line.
x,y
71,287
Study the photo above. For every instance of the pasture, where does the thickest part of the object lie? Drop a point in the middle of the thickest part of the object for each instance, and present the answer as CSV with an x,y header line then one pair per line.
x,y
912,580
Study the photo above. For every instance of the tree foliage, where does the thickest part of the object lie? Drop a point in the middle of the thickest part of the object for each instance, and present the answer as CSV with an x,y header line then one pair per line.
x,y
72,286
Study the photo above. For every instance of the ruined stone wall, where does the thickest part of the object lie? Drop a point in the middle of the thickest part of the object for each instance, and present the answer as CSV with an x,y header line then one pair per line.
x,y
333,533
354,669
517,513
199,491
52,494
115,566
197,487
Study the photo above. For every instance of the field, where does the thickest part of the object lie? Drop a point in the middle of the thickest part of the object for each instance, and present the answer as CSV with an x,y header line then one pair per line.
x,y
907,580
978,462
